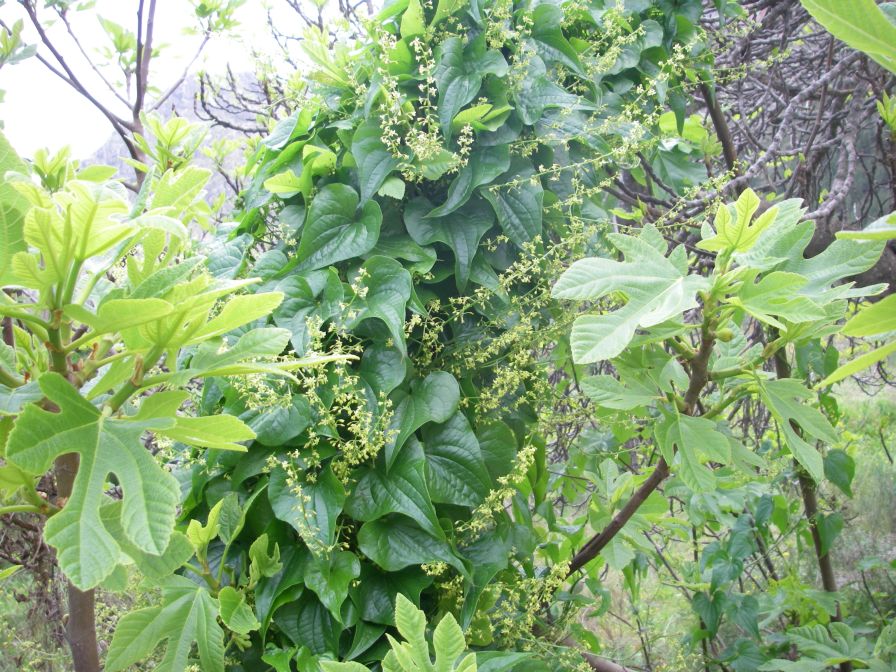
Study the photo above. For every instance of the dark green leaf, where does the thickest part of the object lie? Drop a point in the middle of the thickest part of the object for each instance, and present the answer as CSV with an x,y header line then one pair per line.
x,y
335,230
402,489
394,543
455,469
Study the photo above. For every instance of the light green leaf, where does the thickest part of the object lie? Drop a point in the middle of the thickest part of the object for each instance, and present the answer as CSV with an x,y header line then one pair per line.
x,y
335,231
883,228
13,207
393,187
618,553
413,23
263,565
93,221
482,117
776,295
860,364
13,400
6,572
878,318
859,23
187,614
213,431
236,312
117,314
607,392
788,402
411,624
448,643
202,535
86,550
235,613
734,231
697,441
153,567
656,289
287,184
211,359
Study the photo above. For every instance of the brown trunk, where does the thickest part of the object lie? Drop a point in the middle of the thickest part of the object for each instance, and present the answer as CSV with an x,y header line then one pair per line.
x,y
80,629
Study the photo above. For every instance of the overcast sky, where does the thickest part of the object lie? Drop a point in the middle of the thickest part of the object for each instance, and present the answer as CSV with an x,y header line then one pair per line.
x,y
40,110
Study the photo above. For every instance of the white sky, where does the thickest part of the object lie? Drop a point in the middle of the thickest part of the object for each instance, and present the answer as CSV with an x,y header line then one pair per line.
x,y
40,110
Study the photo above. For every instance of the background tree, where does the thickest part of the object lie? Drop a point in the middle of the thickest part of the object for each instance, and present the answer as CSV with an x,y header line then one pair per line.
x,y
117,79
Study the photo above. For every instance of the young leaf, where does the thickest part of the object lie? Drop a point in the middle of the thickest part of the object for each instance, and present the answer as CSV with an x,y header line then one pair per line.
x,y
734,231
261,564
235,613
448,642
13,207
